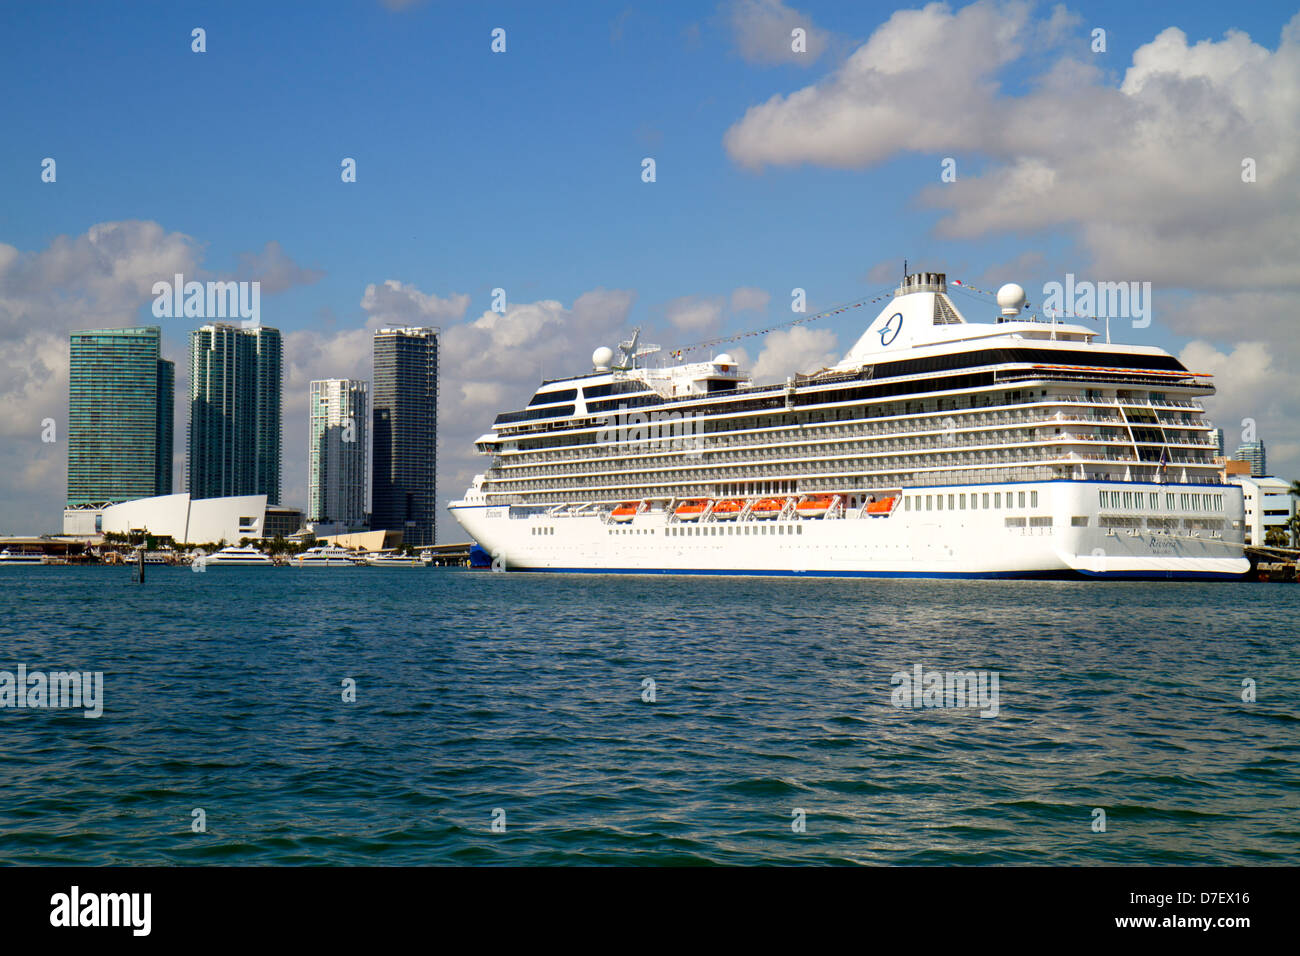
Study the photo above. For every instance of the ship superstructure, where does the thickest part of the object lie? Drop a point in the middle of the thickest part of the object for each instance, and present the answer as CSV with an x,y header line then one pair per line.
x,y
936,446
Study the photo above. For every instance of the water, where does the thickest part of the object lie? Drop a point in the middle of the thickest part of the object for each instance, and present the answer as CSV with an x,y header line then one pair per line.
x,y
480,691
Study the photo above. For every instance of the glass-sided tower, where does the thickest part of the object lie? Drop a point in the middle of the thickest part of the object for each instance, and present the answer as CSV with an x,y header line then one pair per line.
x,y
234,427
405,433
120,411
336,455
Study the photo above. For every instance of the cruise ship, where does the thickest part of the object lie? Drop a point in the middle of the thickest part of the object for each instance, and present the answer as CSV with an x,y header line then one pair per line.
x,y
939,446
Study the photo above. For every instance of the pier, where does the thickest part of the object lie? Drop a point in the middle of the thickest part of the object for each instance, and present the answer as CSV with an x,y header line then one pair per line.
x,y
1272,564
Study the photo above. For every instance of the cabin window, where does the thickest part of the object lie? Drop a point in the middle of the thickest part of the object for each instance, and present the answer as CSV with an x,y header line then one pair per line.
x,y
997,499
963,502
1022,499
1033,499
986,499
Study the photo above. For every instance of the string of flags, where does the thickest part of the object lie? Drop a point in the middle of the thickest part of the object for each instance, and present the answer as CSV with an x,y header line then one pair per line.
x,y
803,320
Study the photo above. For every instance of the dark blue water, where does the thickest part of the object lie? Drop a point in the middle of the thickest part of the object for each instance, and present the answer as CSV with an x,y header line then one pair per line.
x,y
480,691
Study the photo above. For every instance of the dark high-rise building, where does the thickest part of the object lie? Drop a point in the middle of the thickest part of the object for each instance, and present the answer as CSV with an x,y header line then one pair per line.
x,y
234,428
121,403
404,428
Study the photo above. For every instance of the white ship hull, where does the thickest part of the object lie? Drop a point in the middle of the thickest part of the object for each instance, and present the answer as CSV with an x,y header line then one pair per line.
x,y
906,543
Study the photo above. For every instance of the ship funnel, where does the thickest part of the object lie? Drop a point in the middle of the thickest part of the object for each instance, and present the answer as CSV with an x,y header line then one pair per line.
x,y
923,282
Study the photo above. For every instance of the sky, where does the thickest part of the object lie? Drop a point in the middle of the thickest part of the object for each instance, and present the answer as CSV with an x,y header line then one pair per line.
x,y
1111,157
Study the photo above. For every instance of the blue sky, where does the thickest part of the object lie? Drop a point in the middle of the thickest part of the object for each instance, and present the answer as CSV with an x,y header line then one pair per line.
x,y
522,170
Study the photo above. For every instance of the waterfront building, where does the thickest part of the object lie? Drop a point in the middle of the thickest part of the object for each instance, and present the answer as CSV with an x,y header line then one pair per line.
x,y
405,433
234,440
1253,452
282,521
1268,507
181,517
336,456
121,400
1216,436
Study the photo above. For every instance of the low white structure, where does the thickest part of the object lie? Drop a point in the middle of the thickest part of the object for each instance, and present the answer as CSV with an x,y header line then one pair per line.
x,y
184,519
1268,505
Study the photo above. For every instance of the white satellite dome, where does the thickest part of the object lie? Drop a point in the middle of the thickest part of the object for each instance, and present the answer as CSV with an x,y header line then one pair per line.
x,y
602,357
724,359
1011,298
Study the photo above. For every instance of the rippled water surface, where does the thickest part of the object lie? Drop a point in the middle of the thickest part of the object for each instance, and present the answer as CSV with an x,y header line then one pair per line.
x,y
479,692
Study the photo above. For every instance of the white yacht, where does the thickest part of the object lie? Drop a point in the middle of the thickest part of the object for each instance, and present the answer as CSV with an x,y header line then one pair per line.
x,y
235,557
325,556
937,447
21,557
391,559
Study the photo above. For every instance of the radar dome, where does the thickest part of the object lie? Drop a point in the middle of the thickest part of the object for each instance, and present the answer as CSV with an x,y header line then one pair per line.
x,y
1011,298
724,359
602,357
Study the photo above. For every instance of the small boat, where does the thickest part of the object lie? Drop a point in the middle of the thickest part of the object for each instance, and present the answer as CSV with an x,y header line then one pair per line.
x,y
326,556
391,559
233,557
21,557
767,507
624,512
814,506
882,507
691,510
730,508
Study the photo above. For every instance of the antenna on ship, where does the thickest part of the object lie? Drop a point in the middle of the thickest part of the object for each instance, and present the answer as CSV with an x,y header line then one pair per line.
x,y
629,352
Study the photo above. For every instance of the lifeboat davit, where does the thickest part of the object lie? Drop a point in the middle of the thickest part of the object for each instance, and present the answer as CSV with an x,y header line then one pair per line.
x,y
691,510
814,506
624,512
728,509
882,507
767,507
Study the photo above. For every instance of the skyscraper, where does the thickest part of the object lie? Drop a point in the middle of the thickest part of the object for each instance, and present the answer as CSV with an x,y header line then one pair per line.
x,y
405,432
121,403
234,427
336,459
1253,452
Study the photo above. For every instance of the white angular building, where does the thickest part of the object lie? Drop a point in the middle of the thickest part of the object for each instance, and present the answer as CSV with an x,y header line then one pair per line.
x,y
184,519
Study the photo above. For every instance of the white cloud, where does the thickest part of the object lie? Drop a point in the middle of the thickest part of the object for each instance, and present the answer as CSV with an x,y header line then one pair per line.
x,y
274,269
1147,174
749,299
799,349
694,313
763,33
394,304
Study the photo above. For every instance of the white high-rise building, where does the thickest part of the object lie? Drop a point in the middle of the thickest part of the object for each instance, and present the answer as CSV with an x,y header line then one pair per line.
x,y
337,466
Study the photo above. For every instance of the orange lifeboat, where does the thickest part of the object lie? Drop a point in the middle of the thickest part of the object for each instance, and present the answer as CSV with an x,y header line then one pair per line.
x,y
624,512
767,507
814,506
728,509
882,507
691,510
